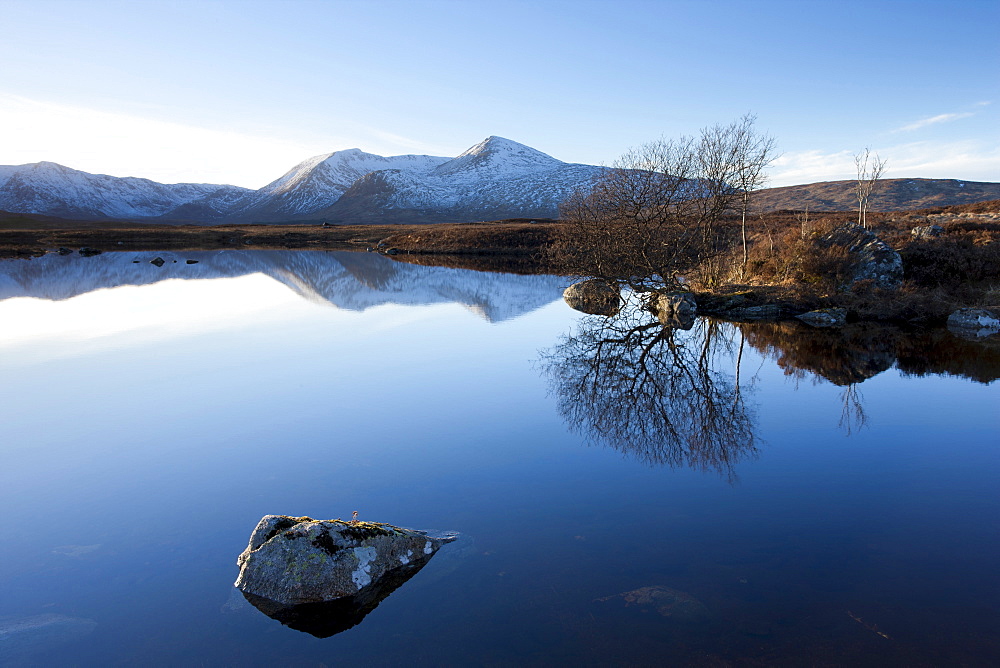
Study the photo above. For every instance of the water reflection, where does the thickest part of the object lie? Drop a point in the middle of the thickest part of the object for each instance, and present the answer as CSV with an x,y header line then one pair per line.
x,y
646,387
330,618
349,280
849,355
653,391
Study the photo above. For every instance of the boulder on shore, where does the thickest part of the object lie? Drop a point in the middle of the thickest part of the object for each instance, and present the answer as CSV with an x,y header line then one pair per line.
x,y
871,259
825,317
926,231
975,322
594,296
676,309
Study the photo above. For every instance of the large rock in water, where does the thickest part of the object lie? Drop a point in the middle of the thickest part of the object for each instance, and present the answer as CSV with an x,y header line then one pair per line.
x,y
324,576
594,296
871,259
675,309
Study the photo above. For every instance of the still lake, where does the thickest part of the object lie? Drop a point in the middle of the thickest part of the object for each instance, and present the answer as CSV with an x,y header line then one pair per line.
x,y
760,494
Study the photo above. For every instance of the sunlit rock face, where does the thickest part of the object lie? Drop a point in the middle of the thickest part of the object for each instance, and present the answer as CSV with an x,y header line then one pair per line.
x,y
675,309
871,259
594,296
825,317
324,576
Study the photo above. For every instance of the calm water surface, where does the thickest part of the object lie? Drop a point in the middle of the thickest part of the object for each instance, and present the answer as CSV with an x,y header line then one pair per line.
x,y
812,498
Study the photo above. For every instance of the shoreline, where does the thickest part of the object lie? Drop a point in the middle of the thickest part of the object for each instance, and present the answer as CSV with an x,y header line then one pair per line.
x,y
514,246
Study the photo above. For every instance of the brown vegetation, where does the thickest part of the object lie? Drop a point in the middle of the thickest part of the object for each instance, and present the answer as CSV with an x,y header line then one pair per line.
x,y
660,213
502,237
892,195
961,267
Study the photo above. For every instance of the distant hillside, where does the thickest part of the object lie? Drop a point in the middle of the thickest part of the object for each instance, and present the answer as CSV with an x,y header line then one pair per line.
x,y
890,195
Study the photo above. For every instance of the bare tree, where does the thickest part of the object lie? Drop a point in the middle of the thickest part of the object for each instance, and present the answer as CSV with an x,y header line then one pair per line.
x,y
658,212
638,221
754,153
870,169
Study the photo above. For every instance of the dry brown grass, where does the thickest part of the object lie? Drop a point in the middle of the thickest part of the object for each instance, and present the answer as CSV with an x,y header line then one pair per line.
x,y
507,237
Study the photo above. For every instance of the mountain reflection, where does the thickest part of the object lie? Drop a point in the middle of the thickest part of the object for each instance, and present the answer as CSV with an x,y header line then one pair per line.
x,y
654,392
349,280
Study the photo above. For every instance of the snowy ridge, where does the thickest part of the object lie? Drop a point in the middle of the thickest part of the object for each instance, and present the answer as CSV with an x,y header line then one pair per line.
x,y
351,281
496,178
49,188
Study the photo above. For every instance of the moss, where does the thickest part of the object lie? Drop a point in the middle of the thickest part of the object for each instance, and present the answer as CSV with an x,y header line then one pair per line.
x,y
284,524
357,531
324,542
365,530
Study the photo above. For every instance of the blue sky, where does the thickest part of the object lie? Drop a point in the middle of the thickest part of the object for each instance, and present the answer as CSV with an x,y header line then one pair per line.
x,y
238,92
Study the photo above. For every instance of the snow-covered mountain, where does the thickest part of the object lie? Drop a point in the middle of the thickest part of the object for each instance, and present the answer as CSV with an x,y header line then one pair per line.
x,y
496,178
347,280
54,190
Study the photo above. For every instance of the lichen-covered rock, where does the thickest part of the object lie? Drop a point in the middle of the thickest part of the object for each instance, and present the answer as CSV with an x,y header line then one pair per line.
x,y
676,309
297,560
594,296
825,317
871,259
975,322
926,232
680,301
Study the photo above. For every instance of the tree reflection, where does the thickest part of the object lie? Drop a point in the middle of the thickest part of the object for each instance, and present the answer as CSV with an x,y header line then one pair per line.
x,y
654,391
853,416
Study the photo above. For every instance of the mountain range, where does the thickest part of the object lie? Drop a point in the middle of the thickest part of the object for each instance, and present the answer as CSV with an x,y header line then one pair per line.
x,y
495,179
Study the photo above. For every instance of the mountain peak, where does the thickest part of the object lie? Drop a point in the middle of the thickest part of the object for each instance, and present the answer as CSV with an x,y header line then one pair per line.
x,y
500,156
48,166
500,145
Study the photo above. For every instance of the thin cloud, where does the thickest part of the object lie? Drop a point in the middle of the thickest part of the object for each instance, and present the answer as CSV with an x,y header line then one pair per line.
x,y
940,118
966,160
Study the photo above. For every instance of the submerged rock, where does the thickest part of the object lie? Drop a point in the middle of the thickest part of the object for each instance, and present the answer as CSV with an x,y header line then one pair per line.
x,y
825,317
677,605
324,576
23,637
87,251
158,261
594,296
